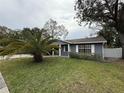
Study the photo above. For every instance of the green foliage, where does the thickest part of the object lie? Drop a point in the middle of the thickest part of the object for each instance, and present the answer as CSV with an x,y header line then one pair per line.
x,y
29,41
111,35
62,75
102,12
85,56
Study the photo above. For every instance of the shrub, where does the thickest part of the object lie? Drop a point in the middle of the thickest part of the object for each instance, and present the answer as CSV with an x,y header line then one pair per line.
x,y
85,56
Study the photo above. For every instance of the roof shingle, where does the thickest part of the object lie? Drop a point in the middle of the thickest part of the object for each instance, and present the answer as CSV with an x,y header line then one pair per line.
x,y
98,39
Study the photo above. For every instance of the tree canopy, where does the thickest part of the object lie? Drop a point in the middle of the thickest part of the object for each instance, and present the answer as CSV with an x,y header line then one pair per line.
x,y
108,12
111,35
55,30
102,12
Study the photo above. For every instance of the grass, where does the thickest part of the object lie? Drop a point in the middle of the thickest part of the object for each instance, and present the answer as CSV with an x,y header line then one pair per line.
x,y
63,75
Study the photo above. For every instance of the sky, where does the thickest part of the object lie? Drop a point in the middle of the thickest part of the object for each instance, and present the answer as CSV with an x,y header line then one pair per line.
x,y
17,14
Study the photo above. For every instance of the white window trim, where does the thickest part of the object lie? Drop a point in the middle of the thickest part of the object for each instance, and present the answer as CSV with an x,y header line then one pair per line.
x,y
59,49
93,49
77,48
103,50
64,48
69,50
85,49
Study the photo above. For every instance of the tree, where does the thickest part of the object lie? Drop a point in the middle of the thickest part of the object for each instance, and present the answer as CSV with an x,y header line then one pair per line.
x,y
7,32
4,31
111,35
102,12
29,41
55,30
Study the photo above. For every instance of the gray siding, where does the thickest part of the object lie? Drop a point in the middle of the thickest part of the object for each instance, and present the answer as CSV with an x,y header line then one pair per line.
x,y
64,53
98,49
73,48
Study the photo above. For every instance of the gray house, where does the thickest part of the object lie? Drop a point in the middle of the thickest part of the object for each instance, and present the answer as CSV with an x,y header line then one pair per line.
x,y
93,45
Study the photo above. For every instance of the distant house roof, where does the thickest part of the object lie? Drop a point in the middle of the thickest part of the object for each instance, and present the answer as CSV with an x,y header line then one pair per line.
x,y
98,39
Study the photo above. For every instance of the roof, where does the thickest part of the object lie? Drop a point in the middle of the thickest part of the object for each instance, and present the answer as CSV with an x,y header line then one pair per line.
x,y
98,39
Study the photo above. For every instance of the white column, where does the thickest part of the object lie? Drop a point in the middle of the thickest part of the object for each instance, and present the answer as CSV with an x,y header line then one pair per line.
x,y
59,49
53,53
77,50
69,48
93,49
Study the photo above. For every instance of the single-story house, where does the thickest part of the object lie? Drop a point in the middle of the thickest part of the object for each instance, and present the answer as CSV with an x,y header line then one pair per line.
x,y
92,45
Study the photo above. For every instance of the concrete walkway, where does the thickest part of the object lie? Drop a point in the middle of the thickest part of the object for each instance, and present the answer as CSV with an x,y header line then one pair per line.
x,y
15,56
3,86
25,56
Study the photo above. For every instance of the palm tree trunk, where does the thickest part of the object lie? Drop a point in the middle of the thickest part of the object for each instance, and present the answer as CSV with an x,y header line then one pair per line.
x,y
38,57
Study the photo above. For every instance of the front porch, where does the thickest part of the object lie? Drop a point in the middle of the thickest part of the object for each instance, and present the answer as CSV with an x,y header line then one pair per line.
x,y
64,49
90,48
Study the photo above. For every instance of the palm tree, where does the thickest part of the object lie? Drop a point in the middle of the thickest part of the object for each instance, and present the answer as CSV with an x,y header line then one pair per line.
x,y
29,41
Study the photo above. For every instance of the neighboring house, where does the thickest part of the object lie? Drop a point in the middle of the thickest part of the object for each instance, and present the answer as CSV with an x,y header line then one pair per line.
x,y
93,45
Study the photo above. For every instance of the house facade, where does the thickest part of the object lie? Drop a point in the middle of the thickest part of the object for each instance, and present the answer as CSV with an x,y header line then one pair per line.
x,y
93,45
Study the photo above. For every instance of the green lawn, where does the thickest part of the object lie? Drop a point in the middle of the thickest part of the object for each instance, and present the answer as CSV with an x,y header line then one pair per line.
x,y
63,75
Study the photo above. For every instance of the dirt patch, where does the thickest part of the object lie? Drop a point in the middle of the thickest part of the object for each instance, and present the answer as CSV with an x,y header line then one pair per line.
x,y
114,60
119,61
78,87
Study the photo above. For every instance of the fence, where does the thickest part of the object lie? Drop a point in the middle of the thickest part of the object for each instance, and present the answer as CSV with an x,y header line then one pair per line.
x,y
113,52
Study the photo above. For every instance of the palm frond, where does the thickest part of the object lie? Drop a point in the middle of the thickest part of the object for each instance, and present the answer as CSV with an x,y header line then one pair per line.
x,y
28,41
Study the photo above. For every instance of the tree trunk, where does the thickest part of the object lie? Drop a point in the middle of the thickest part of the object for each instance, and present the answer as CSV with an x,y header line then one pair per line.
x,y
121,29
38,57
122,43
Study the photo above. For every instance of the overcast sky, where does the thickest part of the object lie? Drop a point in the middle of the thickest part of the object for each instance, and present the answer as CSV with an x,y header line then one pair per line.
x,y
17,14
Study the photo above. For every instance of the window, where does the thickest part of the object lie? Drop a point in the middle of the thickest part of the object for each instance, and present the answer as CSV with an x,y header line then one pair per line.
x,y
65,47
86,49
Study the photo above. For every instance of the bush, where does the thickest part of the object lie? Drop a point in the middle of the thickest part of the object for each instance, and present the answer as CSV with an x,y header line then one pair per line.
x,y
85,56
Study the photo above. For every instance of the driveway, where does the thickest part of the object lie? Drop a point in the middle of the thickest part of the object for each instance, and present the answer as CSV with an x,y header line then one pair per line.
x,y
3,87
